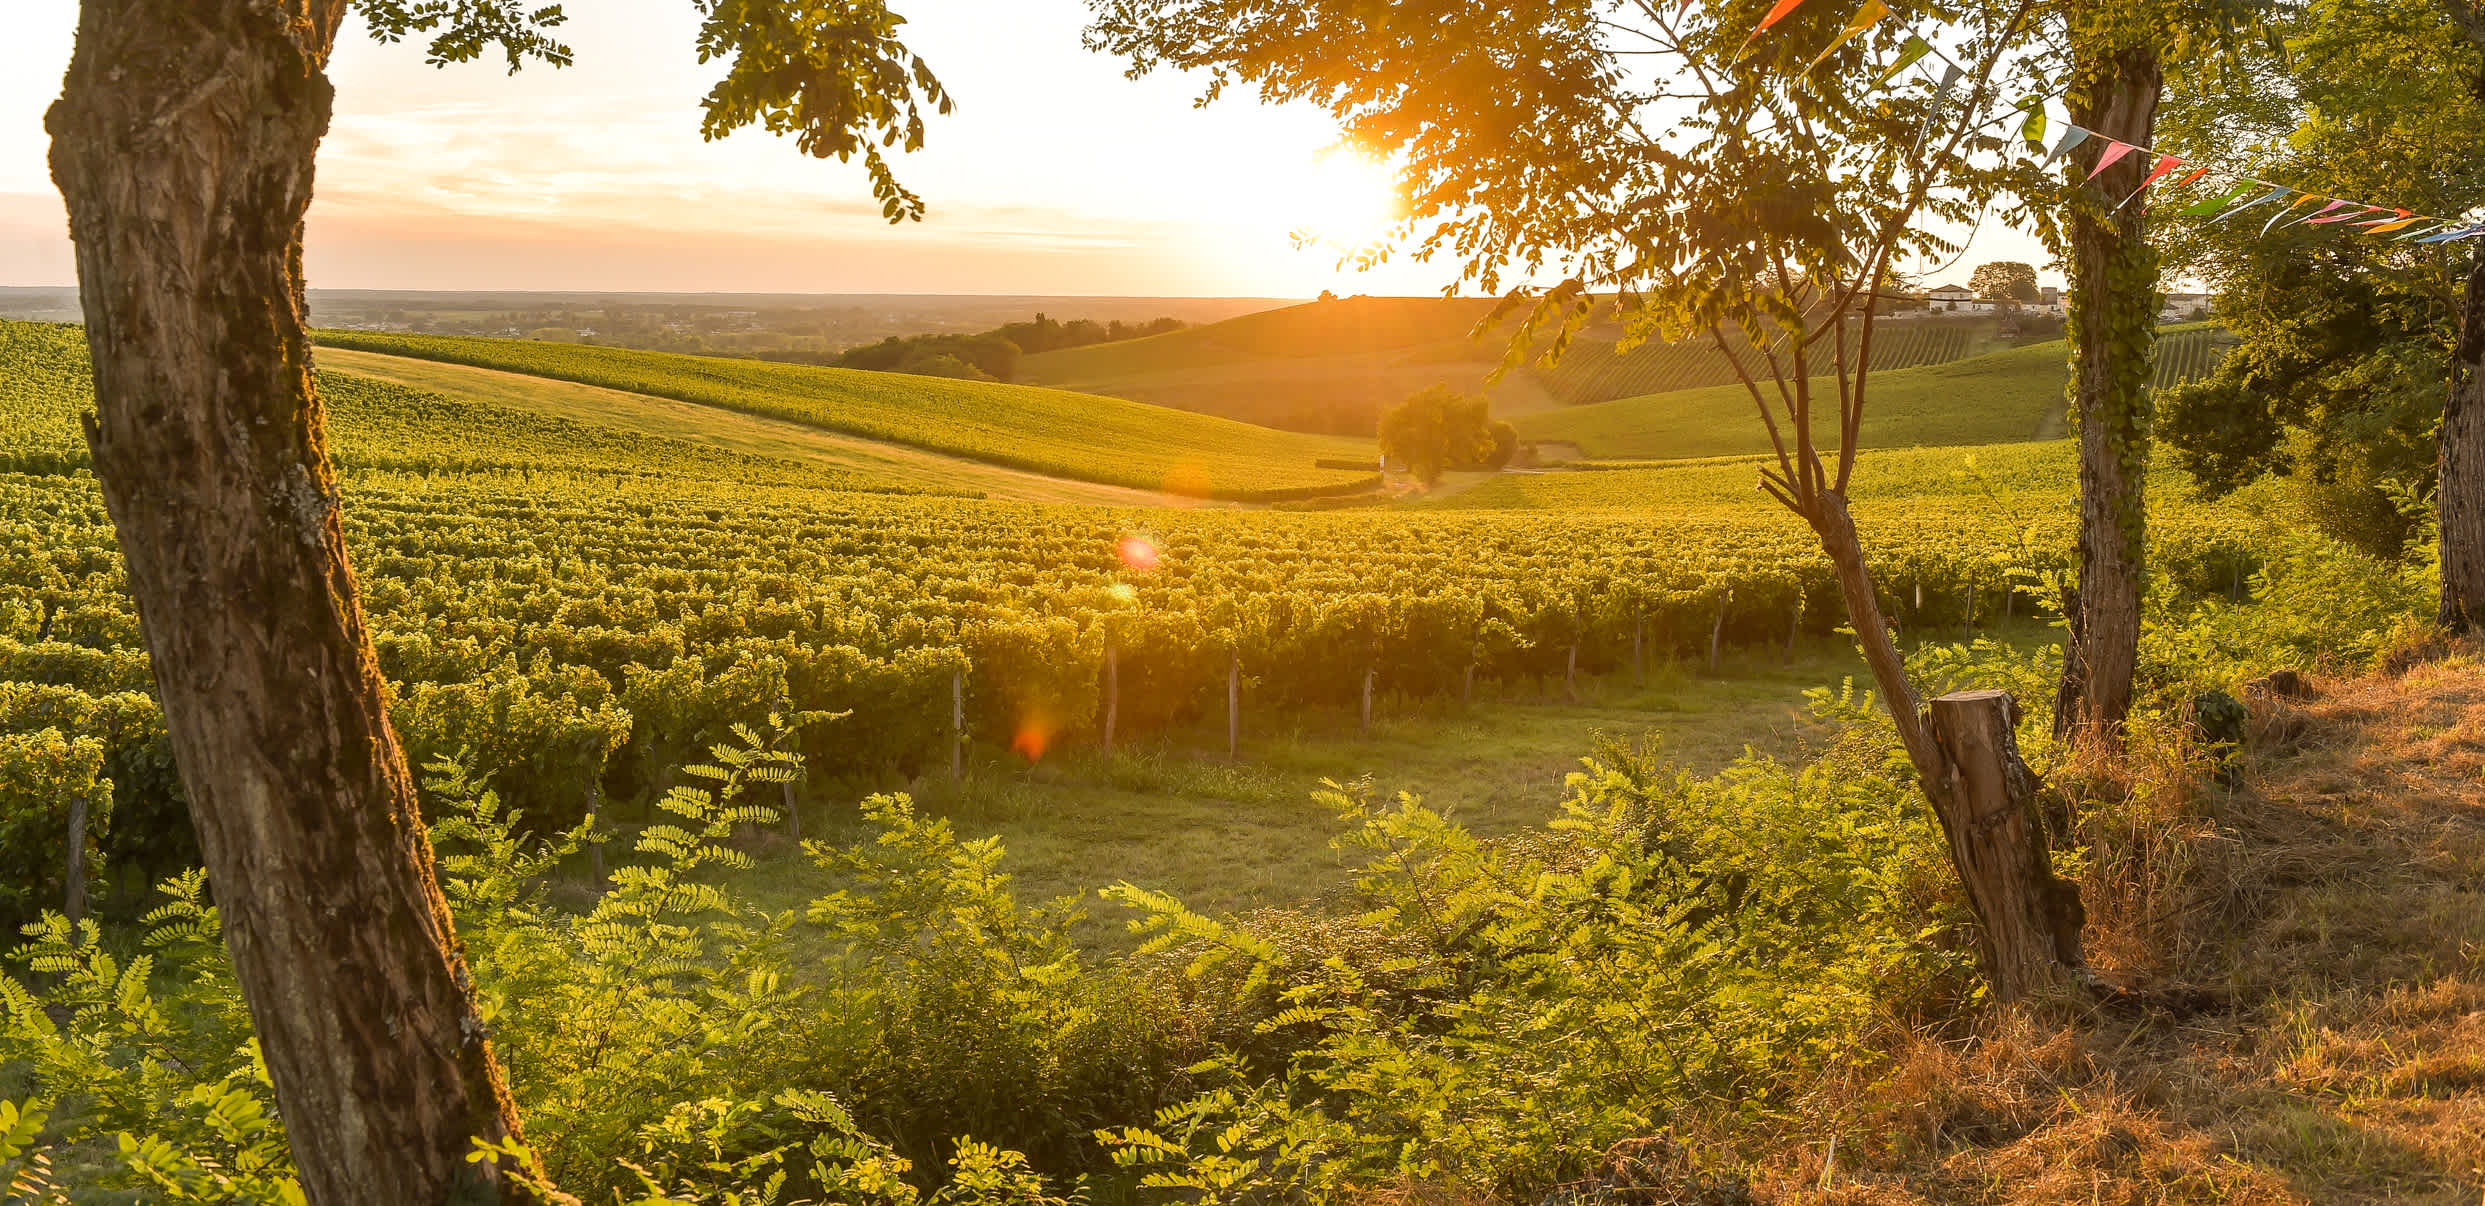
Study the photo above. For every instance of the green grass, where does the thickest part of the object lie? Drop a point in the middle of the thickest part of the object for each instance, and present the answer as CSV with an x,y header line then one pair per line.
x,y
1335,366
384,425
728,431
2000,397
1053,432
1228,836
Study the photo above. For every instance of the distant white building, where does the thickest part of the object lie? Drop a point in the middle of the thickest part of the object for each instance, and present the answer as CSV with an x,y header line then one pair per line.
x,y
2184,307
1952,297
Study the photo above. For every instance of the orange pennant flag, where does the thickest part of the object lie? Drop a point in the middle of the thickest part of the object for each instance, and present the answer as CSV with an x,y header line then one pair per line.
x,y
1776,14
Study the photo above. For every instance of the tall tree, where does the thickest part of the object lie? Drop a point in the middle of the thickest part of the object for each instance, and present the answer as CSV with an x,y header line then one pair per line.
x,y
2005,281
2112,306
1677,171
2461,488
183,144
2348,344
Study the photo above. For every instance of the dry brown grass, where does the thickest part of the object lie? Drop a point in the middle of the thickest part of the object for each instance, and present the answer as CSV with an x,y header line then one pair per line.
x,y
2332,912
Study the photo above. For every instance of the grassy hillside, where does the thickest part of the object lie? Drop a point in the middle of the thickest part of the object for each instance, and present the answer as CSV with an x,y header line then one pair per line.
x,y
708,427
2000,397
1333,366
1044,430
382,425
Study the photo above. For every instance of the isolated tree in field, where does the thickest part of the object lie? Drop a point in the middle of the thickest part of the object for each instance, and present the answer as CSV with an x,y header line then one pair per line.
x,y
1438,428
2006,281
183,143
2338,377
1687,179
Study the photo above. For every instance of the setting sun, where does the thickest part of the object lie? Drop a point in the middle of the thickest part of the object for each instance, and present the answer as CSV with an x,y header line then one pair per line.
x,y
1344,199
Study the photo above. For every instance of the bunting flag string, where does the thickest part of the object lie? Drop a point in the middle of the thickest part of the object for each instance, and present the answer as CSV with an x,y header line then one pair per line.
x,y
2244,194
1865,18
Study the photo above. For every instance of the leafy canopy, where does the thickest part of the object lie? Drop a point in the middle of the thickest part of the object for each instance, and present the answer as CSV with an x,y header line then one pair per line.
x,y
2337,379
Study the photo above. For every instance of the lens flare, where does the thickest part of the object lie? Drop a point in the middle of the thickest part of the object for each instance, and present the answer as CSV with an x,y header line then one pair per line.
x,y
1140,554
1034,735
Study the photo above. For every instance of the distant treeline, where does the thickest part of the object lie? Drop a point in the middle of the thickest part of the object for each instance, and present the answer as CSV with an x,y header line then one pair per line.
x,y
994,355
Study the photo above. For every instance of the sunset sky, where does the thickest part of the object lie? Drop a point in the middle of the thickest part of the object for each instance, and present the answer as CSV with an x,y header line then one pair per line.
x,y
1055,176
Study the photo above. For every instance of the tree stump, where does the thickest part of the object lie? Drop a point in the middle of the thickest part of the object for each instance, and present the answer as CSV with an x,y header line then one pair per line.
x,y
2029,920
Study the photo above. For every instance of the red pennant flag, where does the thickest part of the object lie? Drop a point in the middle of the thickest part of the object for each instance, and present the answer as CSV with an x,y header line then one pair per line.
x,y
2165,164
2318,220
1776,14
2115,149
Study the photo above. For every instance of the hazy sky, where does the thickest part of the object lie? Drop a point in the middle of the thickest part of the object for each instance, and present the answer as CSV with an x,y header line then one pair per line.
x,y
1054,176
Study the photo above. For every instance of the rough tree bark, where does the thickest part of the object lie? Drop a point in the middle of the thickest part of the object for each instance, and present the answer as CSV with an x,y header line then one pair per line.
x,y
2113,334
2462,490
183,144
2028,920
1966,756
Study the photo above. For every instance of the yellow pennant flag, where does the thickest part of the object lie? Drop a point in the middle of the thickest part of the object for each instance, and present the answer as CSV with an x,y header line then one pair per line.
x,y
1871,13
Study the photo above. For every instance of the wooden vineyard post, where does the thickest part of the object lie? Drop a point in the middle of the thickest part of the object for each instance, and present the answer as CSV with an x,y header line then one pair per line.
x,y
1570,674
2029,920
1466,690
1112,695
74,907
595,834
1967,627
1794,630
1639,664
1718,630
793,818
1233,706
1368,673
957,725
2010,599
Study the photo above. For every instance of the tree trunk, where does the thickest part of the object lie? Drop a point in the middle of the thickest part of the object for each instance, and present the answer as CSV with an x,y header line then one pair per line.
x,y
1836,528
183,144
2028,921
1966,758
2113,334
73,903
2462,490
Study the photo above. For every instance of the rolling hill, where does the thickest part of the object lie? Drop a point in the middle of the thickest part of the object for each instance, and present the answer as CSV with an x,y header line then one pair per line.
x,y
1996,398
1333,366
1048,431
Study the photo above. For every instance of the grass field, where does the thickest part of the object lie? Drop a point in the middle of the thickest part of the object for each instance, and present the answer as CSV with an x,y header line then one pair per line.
x,y
388,425
1053,432
1999,397
730,431
1334,366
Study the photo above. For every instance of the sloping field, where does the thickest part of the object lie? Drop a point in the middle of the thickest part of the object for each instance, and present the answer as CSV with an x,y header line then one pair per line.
x,y
1997,398
1046,431
383,425
1334,366
710,427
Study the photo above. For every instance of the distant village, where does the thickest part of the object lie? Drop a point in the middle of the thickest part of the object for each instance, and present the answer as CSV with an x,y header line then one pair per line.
x,y
1959,299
